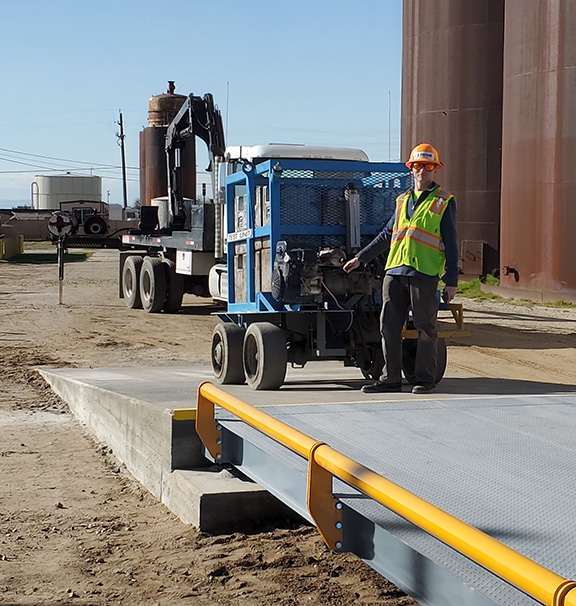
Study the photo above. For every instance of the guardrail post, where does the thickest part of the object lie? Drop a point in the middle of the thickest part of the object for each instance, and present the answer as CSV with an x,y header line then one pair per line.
x,y
325,509
209,430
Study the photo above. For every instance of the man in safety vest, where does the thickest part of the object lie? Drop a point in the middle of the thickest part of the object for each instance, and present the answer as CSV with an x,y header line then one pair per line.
x,y
423,247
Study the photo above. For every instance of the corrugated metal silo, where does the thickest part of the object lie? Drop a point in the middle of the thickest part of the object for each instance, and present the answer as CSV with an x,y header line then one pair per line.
x,y
452,98
153,169
538,149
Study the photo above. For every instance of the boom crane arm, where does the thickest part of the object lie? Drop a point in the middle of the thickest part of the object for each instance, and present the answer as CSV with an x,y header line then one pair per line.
x,y
198,117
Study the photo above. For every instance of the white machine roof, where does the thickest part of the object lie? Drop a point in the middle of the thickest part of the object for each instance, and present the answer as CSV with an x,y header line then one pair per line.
x,y
284,150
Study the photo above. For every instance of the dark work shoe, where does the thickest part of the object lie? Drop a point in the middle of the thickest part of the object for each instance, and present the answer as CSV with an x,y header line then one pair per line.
x,y
381,387
422,388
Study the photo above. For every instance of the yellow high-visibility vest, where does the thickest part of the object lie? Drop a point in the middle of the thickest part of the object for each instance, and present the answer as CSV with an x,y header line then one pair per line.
x,y
417,242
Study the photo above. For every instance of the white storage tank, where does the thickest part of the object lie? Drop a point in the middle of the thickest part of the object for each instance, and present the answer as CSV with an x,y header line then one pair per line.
x,y
49,191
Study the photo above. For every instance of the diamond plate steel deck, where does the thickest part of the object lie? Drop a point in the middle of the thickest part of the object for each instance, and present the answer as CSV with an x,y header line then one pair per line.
x,y
503,464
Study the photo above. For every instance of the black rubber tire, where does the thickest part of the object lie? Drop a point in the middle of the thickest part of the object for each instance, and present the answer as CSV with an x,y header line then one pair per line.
x,y
374,371
264,356
409,359
95,226
131,282
226,353
153,284
174,288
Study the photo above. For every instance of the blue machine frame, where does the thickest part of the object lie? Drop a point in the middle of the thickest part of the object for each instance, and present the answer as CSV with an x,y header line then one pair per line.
x,y
300,201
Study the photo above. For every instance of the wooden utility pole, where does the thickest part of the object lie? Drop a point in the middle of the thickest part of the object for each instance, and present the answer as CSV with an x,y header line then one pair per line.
x,y
121,138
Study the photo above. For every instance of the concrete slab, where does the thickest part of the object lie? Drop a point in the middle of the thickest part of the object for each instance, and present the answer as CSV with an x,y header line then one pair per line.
x,y
147,417
174,387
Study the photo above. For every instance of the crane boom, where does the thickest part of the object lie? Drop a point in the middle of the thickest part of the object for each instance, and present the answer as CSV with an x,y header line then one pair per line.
x,y
198,117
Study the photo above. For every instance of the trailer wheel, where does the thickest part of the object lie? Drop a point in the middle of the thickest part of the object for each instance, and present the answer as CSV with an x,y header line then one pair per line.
x,y
174,288
265,356
409,359
226,353
152,284
131,282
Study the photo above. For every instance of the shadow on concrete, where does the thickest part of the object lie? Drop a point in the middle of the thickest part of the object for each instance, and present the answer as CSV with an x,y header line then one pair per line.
x,y
491,386
451,386
324,385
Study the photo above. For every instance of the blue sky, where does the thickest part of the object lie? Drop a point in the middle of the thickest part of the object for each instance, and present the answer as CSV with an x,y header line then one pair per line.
x,y
323,72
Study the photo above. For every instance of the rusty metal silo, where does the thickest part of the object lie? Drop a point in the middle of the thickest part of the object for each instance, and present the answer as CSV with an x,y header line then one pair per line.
x,y
153,167
538,245
452,98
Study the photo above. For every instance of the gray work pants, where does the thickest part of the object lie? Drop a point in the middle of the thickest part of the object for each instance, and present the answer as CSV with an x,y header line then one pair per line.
x,y
399,294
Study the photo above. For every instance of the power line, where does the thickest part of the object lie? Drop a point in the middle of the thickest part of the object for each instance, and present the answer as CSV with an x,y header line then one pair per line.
x,y
38,166
52,158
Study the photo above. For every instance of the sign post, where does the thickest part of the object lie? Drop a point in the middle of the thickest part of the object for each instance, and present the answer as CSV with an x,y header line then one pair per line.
x,y
60,225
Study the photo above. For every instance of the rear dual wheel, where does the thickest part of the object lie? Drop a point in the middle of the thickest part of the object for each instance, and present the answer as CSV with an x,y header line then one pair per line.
x,y
131,282
265,356
257,355
153,284
174,288
226,354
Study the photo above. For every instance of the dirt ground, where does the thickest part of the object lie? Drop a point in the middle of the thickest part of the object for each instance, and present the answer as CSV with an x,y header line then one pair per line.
x,y
76,529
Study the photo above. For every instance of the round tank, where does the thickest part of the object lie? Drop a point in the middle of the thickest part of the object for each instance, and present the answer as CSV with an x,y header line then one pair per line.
x,y
538,149
452,99
153,167
162,108
49,191
153,171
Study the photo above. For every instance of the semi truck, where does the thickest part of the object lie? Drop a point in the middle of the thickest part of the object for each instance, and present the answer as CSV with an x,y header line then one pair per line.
x,y
269,247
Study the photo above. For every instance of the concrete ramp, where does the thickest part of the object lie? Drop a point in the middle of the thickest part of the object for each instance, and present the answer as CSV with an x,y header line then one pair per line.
x,y
146,416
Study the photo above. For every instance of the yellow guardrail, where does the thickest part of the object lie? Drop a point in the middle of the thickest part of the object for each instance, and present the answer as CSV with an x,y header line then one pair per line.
x,y
325,463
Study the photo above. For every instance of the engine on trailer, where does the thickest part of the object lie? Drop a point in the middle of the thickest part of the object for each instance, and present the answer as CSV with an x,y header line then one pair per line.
x,y
307,276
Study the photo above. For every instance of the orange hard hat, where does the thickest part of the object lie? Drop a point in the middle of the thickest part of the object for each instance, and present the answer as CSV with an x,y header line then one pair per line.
x,y
424,153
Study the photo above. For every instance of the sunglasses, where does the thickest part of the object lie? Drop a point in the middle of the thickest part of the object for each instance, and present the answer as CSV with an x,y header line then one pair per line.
x,y
427,166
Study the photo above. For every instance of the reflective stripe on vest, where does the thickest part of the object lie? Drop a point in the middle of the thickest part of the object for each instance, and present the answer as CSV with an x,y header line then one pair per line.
x,y
416,233
417,242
